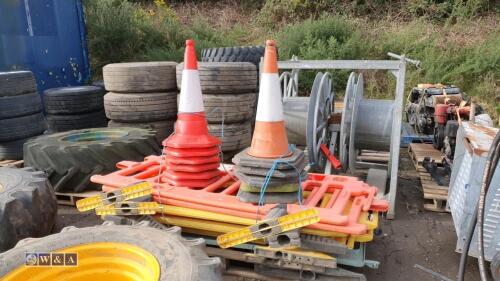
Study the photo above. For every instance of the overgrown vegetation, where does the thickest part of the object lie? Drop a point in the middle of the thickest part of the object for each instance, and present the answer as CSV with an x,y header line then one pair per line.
x,y
458,41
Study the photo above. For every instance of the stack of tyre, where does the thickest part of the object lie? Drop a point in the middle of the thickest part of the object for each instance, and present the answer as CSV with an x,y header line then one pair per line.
x,y
73,108
229,97
21,114
141,95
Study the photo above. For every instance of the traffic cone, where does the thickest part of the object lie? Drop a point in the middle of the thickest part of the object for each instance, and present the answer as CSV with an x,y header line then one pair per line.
x,y
269,137
191,153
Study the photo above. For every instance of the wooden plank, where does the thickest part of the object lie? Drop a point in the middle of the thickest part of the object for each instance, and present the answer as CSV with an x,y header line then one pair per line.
x,y
418,151
70,198
437,206
12,163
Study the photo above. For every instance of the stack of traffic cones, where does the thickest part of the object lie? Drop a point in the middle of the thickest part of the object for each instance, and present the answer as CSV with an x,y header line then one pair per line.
x,y
270,170
191,153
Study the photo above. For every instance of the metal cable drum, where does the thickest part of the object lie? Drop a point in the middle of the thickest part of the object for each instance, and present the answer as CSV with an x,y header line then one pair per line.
x,y
307,118
295,115
366,123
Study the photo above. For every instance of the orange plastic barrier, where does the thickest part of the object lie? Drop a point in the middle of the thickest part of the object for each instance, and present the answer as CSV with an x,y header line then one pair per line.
x,y
337,214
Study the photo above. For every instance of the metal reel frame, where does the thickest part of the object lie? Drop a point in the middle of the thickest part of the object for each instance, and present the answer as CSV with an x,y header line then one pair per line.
x,y
321,105
345,125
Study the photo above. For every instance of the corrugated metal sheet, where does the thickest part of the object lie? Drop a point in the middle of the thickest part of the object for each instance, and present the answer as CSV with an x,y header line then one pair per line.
x,y
473,143
46,37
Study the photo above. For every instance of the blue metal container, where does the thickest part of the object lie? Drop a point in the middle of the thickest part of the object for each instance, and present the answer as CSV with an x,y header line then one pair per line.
x,y
47,37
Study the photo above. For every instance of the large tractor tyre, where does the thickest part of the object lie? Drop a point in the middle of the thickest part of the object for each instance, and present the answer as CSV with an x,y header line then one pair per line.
x,y
145,107
224,77
114,253
251,54
63,123
137,77
20,105
28,206
22,127
17,83
229,108
163,129
73,100
234,136
70,158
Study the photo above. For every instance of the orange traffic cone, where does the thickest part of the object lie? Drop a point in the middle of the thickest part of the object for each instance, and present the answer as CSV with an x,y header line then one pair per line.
x,y
191,152
269,137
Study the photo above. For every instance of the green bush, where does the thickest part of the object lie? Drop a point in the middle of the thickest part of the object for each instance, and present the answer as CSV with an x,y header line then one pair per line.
x,y
120,30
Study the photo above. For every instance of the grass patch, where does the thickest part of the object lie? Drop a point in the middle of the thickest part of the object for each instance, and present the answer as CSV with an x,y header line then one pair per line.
x,y
457,41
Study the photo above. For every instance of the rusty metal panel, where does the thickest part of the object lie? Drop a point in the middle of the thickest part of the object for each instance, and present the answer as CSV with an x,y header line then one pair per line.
x,y
47,37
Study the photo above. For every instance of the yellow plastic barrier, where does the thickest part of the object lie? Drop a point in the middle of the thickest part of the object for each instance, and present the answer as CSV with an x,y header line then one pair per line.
x,y
105,198
267,228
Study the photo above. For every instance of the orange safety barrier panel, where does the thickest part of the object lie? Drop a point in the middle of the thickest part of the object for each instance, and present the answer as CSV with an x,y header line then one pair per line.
x,y
220,196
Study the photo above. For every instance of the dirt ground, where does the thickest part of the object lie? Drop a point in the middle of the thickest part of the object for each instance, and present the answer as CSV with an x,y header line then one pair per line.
x,y
415,237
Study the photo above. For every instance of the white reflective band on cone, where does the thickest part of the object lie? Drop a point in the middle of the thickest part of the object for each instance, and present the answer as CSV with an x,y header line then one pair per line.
x,y
191,99
269,107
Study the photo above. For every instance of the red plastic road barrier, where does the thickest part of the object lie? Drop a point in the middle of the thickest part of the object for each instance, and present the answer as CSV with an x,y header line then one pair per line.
x,y
335,162
339,215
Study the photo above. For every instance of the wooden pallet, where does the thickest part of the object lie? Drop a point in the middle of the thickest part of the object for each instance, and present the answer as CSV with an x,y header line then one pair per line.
x,y
418,151
12,163
373,156
70,198
435,194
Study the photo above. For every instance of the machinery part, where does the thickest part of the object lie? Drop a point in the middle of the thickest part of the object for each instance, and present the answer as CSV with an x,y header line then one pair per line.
x,y
138,77
71,158
105,198
319,112
233,136
450,140
338,274
322,244
28,206
224,77
229,108
298,256
345,125
63,123
423,102
12,150
163,128
20,105
233,54
73,100
439,136
131,253
140,107
373,133
268,228
17,83
22,127
295,115
288,239
441,175
129,208
495,267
